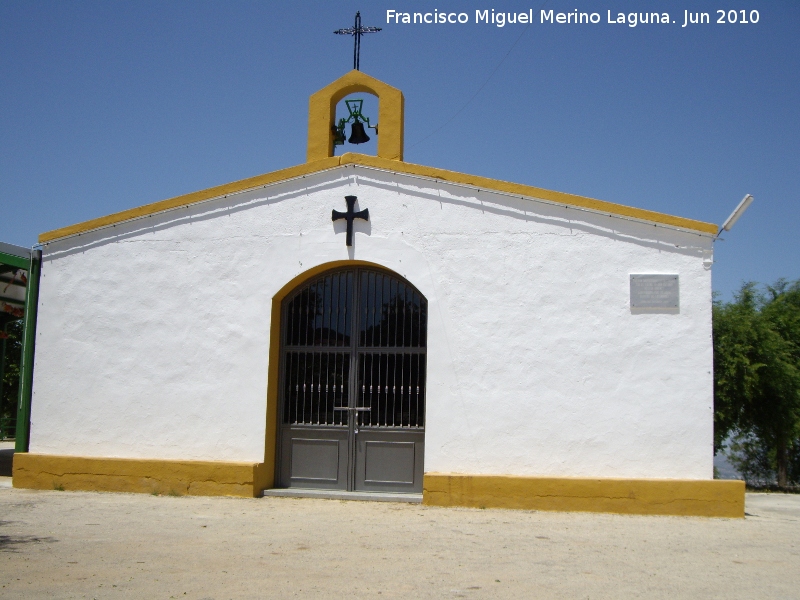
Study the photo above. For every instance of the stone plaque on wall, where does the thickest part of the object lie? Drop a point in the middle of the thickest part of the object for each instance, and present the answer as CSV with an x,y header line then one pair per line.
x,y
655,293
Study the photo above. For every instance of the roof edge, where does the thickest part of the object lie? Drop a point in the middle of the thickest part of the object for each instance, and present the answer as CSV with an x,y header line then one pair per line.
x,y
600,206
350,158
191,198
14,250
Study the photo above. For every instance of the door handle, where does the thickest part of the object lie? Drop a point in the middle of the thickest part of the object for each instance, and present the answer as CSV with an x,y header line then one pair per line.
x,y
356,410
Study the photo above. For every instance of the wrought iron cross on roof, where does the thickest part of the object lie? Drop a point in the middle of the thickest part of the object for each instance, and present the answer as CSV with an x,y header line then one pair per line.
x,y
356,31
349,216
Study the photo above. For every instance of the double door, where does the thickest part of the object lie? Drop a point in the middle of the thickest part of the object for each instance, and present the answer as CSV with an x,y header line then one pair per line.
x,y
353,384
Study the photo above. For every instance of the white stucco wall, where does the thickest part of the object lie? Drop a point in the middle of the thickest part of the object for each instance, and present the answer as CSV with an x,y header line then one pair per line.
x,y
153,336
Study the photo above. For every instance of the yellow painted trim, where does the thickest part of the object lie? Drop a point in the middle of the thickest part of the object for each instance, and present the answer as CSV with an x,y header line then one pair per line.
x,y
390,165
681,497
194,478
530,191
188,199
322,115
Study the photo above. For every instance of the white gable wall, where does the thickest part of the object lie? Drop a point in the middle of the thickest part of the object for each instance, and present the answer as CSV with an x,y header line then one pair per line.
x,y
153,336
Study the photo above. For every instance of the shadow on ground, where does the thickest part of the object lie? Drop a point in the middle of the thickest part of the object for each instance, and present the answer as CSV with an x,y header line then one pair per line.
x,y
13,543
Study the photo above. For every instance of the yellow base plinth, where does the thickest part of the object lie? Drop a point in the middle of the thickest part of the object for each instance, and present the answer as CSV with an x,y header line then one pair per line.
x,y
196,478
704,498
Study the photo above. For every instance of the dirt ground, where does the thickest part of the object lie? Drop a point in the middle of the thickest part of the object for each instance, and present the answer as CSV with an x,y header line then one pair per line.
x,y
100,545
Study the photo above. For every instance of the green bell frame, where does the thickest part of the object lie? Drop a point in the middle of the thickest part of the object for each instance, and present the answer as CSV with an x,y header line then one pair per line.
x,y
354,108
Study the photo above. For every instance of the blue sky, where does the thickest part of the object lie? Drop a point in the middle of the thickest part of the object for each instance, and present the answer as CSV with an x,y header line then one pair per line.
x,y
109,105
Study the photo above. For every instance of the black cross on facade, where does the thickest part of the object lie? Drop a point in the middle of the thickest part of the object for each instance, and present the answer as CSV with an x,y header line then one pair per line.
x,y
349,216
356,31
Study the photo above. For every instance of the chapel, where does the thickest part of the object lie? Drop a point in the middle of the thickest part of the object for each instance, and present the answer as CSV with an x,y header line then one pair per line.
x,y
362,327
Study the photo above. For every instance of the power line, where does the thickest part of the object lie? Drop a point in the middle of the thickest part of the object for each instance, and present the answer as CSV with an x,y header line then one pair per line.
x,y
480,89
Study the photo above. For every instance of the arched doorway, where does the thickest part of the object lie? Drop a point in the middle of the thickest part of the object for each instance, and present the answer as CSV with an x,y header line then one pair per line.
x,y
352,387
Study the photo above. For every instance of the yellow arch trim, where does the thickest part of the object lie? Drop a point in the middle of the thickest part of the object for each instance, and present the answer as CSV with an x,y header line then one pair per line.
x,y
273,371
389,165
322,115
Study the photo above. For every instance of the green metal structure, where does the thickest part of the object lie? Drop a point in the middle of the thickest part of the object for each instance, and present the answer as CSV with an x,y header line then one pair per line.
x,y
354,108
19,295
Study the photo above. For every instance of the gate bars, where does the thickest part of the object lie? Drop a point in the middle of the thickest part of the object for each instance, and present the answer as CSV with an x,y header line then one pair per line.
x,y
390,349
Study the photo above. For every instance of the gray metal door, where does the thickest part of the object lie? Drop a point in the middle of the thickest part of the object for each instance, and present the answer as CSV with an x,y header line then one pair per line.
x,y
353,383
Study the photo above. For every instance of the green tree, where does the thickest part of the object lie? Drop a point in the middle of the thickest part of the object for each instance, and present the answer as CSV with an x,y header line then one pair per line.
x,y
10,382
757,372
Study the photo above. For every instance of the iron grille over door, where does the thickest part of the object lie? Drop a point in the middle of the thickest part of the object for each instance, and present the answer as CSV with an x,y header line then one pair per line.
x,y
353,383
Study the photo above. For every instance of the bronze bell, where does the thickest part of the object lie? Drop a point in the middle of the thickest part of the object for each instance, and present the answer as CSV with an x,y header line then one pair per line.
x,y
357,133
